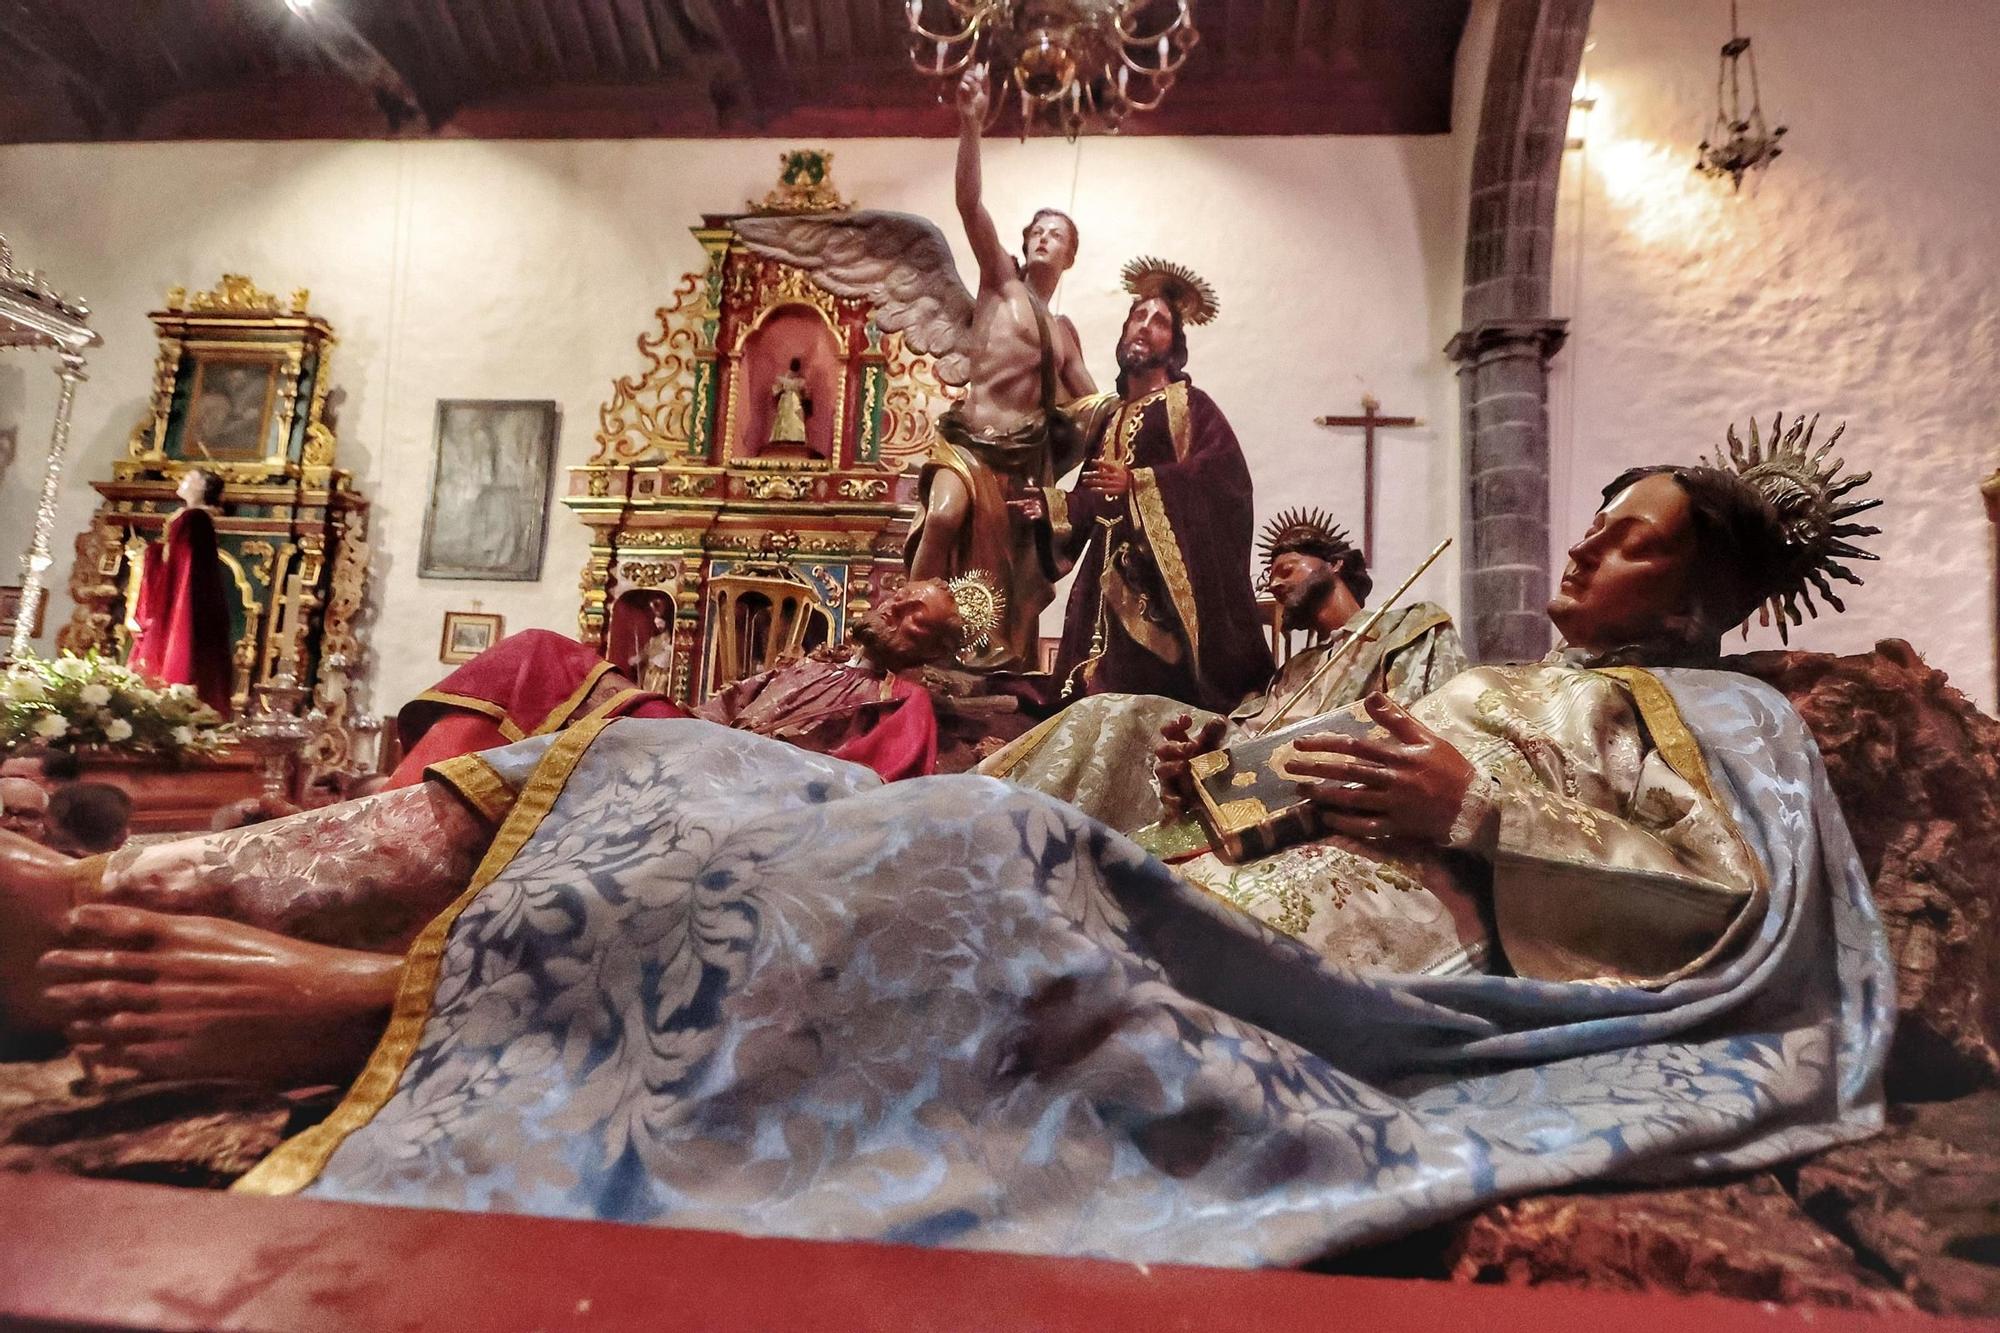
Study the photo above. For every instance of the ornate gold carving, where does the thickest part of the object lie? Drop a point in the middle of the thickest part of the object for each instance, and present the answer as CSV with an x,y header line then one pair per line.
x,y
266,556
1208,765
599,485
93,588
691,484
649,573
778,487
864,488
805,185
654,537
912,398
235,294
651,413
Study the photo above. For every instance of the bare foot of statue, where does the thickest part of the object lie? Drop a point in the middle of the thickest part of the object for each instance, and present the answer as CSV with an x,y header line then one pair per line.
x,y
172,997
37,887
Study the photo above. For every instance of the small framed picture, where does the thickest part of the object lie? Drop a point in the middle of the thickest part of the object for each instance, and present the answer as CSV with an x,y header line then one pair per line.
x,y
1050,648
467,634
10,611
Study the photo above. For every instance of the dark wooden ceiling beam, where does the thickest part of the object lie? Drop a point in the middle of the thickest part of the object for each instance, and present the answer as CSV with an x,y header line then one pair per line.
x,y
512,68
103,95
385,63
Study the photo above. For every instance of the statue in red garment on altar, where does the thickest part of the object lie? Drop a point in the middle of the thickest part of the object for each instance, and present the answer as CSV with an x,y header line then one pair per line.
x,y
863,701
183,611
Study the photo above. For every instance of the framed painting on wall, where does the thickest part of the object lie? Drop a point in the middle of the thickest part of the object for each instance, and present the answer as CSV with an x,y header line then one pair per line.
x,y
467,634
492,464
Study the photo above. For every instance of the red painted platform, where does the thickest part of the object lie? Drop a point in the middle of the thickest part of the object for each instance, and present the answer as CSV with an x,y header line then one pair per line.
x,y
81,1253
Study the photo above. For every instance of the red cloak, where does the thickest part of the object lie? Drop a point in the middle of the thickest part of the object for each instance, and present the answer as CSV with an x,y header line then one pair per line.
x,y
528,684
183,612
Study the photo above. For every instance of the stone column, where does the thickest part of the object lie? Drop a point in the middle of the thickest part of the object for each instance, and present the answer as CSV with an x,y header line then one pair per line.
x,y
1503,383
1507,335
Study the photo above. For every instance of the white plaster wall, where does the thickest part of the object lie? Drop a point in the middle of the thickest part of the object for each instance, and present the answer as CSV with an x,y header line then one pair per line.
x,y
527,270
1858,277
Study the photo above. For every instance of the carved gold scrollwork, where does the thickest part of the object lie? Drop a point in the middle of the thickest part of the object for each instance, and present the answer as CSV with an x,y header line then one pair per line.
x,y
651,413
912,398
235,294
690,484
93,588
778,487
648,573
864,488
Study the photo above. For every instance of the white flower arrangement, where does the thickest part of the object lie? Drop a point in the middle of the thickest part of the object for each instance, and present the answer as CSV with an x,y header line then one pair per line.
x,y
90,702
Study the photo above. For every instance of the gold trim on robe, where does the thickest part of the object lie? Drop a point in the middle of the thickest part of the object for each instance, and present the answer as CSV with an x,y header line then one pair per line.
x,y
297,1162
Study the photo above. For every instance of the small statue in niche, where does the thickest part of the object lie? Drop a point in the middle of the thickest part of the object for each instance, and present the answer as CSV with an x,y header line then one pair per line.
x,y
183,610
788,422
656,658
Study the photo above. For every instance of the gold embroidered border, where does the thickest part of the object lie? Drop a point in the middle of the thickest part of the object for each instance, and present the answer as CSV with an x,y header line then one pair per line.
x,y
1060,528
1009,756
560,715
1152,511
478,783
297,1162
472,705
1670,733
1177,419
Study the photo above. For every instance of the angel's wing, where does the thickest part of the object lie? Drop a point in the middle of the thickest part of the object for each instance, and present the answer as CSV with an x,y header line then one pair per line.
x,y
898,262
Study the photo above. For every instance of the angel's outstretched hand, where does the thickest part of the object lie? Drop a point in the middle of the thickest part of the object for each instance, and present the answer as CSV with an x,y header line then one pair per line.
x,y
974,95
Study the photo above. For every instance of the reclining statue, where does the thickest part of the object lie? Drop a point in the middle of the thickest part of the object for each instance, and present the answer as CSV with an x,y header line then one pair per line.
x,y
661,971
1086,754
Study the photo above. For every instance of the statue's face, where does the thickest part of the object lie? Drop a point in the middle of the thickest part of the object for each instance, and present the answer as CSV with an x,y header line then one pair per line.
x,y
23,807
1301,584
1148,336
917,624
1049,241
1630,579
194,485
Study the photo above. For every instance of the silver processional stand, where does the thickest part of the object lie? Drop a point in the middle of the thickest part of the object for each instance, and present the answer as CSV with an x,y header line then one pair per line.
x,y
35,315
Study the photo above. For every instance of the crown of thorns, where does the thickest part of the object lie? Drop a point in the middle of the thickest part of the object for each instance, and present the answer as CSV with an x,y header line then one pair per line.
x,y
980,605
1307,532
1814,514
1189,294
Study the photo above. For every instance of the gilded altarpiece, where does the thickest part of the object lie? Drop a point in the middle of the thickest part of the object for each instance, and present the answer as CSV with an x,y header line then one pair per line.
x,y
700,495
240,387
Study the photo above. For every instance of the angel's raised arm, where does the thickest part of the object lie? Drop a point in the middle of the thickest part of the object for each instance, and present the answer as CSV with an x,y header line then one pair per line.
x,y
996,265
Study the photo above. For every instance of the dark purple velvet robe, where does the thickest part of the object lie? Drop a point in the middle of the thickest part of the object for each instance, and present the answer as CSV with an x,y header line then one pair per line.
x,y
1163,602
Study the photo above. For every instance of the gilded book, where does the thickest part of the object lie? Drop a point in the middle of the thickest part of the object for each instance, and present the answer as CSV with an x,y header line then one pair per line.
x,y
1249,801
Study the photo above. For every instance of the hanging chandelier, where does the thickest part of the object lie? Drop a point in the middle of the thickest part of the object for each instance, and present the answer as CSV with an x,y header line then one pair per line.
x,y
1075,64
1739,141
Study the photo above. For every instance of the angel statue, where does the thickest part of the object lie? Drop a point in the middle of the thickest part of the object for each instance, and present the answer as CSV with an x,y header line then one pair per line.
x,y
1018,364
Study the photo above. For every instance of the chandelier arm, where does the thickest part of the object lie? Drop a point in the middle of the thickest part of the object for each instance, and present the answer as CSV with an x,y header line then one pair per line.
x,y
1169,70
970,31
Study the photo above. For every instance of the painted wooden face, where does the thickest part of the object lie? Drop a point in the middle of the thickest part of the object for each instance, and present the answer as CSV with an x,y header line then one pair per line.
x,y
915,625
1629,580
1050,239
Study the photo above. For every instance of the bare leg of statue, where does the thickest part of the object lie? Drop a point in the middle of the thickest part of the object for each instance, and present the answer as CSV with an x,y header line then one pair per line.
x,y
945,511
269,953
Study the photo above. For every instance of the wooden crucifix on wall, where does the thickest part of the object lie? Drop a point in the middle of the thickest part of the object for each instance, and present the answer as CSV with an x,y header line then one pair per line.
x,y
1369,422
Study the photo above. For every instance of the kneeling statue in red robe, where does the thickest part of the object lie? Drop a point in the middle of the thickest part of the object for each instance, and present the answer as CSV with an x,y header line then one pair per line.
x,y
862,701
